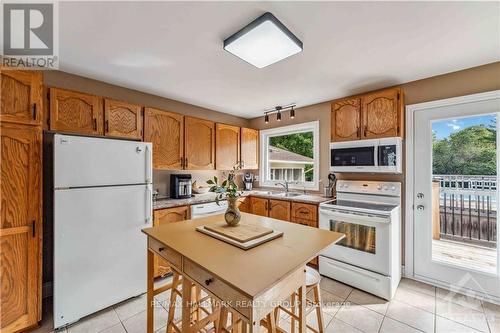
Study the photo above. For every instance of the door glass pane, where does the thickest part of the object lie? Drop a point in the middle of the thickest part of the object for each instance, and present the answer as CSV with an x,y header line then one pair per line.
x,y
357,236
464,192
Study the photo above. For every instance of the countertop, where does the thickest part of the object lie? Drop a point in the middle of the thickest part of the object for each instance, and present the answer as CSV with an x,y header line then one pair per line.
x,y
262,193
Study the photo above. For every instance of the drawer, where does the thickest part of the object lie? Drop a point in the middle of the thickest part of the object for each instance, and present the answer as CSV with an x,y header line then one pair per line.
x,y
218,287
304,211
173,257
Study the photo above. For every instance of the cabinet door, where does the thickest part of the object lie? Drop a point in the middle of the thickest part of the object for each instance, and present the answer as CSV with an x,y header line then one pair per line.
x,y
304,212
258,206
346,120
166,131
279,209
122,120
21,97
75,112
164,216
227,146
382,115
20,226
243,204
249,148
199,136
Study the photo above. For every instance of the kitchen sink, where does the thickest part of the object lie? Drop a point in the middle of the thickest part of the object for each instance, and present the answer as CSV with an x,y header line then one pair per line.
x,y
284,194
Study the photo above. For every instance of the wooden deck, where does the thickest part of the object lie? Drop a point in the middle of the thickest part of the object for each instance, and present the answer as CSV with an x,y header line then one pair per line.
x,y
465,255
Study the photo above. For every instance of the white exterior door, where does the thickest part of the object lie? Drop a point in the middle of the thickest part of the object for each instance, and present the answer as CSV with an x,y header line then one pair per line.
x,y
427,243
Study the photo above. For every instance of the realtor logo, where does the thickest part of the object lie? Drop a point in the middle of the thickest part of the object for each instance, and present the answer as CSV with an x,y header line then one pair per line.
x,y
28,35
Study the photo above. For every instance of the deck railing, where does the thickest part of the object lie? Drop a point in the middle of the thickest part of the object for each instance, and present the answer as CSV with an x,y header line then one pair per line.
x,y
468,208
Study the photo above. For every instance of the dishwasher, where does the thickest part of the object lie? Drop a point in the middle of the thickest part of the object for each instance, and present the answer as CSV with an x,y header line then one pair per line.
x,y
207,209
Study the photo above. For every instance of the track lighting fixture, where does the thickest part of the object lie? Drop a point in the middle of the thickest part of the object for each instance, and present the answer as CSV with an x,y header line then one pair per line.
x,y
277,110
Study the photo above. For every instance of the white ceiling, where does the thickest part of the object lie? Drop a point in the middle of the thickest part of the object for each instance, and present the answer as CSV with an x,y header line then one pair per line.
x,y
174,49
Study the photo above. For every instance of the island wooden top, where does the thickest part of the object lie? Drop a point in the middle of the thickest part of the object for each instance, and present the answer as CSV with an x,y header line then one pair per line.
x,y
250,271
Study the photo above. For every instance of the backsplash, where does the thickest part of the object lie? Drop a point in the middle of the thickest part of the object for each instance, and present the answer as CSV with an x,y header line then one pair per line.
x,y
161,178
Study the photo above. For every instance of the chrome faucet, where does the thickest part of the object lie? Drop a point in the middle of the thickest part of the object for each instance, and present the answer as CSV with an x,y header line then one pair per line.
x,y
285,185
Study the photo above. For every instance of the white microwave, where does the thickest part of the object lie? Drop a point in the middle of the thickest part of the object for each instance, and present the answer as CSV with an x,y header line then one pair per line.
x,y
375,156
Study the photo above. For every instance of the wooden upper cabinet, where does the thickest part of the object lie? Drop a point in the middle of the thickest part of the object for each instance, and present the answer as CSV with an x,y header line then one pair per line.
x,y
20,226
75,112
227,148
199,136
346,120
249,148
259,206
166,131
122,120
279,209
161,217
382,114
21,97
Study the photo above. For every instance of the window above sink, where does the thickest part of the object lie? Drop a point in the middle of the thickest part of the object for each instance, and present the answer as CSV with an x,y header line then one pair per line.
x,y
290,153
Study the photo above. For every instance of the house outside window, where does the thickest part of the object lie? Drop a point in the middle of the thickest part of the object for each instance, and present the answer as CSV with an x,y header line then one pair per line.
x,y
291,154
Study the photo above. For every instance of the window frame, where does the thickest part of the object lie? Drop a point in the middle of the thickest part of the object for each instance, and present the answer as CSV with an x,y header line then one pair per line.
x,y
264,169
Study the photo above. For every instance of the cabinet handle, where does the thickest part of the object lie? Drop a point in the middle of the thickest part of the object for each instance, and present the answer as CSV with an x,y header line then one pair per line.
x,y
266,206
359,132
95,124
33,228
161,249
366,128
270,206
185,162
208,281
182,162
106,126
34,111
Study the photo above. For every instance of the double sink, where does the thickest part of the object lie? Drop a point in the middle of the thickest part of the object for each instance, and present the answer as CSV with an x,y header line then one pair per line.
x,y
280,194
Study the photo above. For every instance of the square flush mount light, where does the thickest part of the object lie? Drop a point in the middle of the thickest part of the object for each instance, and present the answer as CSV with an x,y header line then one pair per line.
x,y
263,42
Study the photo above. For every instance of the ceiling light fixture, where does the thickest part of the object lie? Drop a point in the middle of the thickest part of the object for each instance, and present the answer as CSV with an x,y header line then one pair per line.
x,y
263,42
277,110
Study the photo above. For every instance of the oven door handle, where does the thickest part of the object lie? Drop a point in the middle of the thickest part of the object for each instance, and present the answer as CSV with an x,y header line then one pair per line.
x,y
355,216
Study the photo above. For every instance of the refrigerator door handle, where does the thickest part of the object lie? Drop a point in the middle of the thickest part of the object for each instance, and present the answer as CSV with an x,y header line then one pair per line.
x,y
148,165
149,204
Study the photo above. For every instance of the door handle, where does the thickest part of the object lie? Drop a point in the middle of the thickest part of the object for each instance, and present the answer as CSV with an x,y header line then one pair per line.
x,y
420,207
420,195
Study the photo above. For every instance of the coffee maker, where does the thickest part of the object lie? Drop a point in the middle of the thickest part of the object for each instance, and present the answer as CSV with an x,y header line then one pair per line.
x,y
248,181
180,186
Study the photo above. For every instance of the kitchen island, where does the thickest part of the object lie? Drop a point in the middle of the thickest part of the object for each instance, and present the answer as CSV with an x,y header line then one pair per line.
x,y
250,282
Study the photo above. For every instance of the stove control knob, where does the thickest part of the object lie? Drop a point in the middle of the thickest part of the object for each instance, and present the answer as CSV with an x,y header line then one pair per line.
x,y
346,185
379,187
393,188
385,188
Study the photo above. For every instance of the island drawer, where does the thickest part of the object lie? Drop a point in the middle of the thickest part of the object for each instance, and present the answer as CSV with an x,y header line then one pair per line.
x,y
218,287
170,255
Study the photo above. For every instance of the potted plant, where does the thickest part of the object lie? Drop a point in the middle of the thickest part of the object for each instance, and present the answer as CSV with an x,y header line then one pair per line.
x,y
227,190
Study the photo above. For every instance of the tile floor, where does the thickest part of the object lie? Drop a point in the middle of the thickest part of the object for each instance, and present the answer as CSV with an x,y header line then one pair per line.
x,y
416,307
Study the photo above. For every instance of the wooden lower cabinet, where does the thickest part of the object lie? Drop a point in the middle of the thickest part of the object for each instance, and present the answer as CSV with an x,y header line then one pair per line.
x,y
279,209
304,212
164,216
20,226
258,206
244,204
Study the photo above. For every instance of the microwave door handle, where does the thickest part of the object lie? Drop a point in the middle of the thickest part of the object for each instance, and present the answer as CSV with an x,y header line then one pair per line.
x,y
375,155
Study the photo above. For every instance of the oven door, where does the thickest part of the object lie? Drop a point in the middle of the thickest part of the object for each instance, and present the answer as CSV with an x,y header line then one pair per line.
x,y
367,241
358,156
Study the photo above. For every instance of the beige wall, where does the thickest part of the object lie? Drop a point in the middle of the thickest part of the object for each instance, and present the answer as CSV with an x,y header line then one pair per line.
x,y
161,178
465,82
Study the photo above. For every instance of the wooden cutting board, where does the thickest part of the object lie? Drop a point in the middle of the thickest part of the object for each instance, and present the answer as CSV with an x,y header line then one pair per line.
x,y
242,232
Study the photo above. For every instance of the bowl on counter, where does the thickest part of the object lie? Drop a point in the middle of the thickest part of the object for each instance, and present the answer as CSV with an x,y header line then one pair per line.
x,y
201,190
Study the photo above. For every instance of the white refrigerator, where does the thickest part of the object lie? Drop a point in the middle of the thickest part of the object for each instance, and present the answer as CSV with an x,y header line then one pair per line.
x,y
102,199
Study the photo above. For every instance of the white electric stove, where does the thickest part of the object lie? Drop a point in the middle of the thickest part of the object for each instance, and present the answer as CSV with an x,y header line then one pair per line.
x,y
369,257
